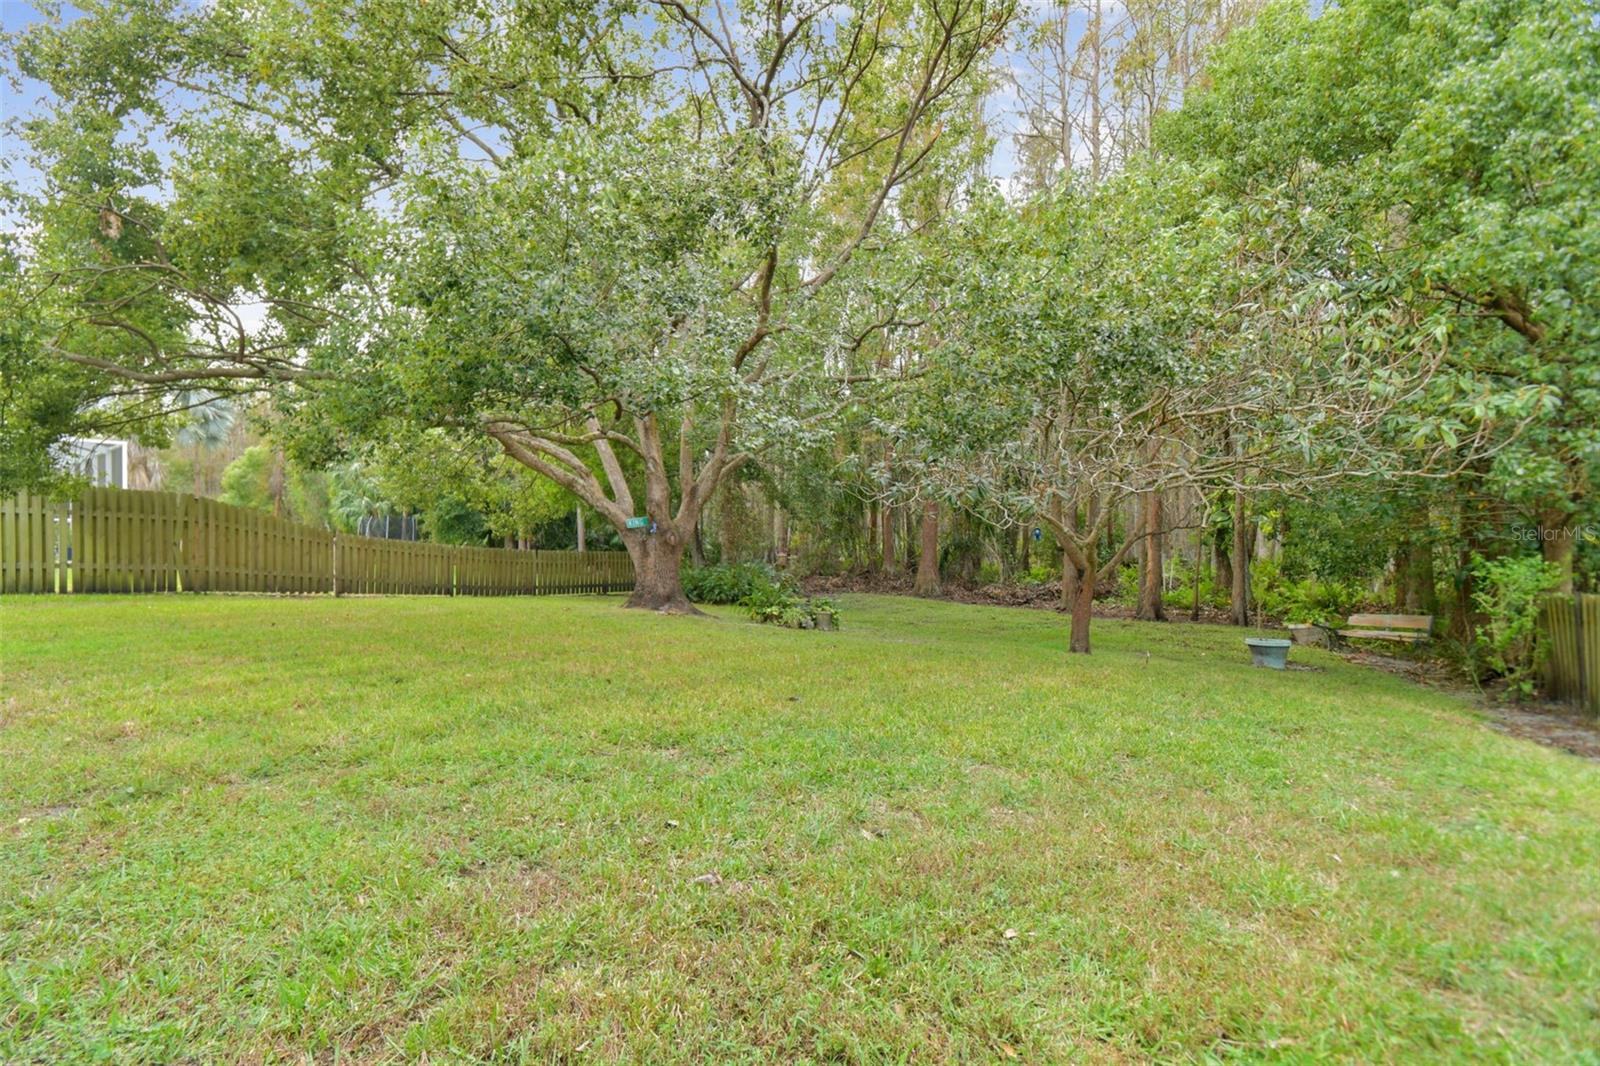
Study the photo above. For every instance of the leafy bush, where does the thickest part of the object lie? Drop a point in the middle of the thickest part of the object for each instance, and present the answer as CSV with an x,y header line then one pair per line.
x,y
1344,535
727,582
1042,574
766,594
1183,595
779,604
1127,594
1508,593
1310,600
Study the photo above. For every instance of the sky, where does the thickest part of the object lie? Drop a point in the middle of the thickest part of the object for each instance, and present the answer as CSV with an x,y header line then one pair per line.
x,y
16,100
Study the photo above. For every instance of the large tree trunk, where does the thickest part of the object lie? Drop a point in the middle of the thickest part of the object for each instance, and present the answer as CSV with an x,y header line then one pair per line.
x,y
1239,602
1066,525
1422,591
657,583
1151,609
581,536
780,537
1402,580
872,534
1413,575
1221,563
1199,572
656,552
697,547
910,539
890,563
1083,602
1556,543
927,583
1464,618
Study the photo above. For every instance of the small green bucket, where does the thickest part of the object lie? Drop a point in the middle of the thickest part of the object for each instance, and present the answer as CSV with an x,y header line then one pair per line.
x,y
1271,652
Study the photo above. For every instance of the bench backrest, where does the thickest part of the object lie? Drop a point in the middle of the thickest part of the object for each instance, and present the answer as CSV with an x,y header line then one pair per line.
x,y
1422,623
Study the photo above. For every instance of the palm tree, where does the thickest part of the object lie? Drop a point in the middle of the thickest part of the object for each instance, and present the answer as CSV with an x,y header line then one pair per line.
x,y
206,428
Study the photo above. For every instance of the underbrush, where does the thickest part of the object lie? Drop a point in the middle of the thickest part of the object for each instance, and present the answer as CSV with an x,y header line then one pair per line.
x,y
769,596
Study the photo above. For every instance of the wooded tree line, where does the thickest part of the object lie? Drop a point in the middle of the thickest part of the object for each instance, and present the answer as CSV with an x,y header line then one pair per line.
x,y
1183,285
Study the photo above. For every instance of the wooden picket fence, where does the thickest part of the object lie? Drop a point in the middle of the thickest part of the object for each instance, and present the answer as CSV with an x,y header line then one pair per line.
x,y
1571,626
120,540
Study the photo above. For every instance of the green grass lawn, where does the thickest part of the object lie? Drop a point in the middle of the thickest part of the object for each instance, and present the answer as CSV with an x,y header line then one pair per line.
x,y
479,829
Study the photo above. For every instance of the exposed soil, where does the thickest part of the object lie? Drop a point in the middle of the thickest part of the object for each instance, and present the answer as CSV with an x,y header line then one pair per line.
x,y
1554,725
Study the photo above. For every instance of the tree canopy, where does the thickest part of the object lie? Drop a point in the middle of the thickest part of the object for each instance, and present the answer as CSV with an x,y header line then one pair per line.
x,y
652,251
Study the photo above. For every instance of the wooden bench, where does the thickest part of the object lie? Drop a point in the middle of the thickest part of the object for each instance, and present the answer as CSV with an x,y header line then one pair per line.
x,y
1404,628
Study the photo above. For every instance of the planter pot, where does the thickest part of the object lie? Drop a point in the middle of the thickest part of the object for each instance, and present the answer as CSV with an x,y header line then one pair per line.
x,y
1308,634
1270,652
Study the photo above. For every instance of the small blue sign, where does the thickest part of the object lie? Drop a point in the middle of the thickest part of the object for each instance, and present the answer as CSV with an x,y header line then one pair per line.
x,y
637,523
1038,534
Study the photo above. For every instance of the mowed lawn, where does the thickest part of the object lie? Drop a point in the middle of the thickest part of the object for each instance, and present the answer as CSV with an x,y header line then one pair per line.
x,y
506,830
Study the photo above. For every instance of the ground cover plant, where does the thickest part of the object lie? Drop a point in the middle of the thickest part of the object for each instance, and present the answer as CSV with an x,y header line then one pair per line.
x,y
254,829
766,594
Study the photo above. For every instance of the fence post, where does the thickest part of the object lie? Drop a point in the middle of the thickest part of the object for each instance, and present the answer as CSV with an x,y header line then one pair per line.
x,y
333,543
1577,639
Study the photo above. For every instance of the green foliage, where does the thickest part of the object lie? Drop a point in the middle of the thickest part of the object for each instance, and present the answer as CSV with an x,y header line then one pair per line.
x,y
1508,593
728,582
450,520
780,604
247,482
353,494
1181,596
767,595
1310,599
553,232
261,478
1127,594
1042,574
1345,534
1425,173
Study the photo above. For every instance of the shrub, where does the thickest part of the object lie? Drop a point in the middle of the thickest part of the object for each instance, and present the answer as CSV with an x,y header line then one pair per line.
x,y
1310,600
778,603
1042,574
1127,585
1508,593
766,594
1183,595
727,582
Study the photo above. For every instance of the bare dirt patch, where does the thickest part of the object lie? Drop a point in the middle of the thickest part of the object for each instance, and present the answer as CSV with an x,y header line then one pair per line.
x,y
1554,725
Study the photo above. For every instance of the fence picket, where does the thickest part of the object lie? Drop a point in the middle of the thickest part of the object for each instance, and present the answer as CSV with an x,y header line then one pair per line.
x,y
119,540
1570,626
